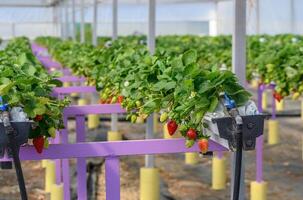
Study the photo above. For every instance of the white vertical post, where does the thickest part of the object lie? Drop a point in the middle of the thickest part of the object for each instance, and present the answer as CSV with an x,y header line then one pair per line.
x,y
213,23
292,17
61,10
95,22
82,31
66,19
257,17
115,20
149,159
239,67
114,117
73,20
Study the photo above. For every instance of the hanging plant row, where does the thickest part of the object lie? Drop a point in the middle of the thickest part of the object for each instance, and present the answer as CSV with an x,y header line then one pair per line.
x,y
26,84
175,85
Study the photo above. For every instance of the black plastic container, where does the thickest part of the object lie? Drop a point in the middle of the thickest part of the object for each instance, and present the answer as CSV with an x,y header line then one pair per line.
x,y
22,130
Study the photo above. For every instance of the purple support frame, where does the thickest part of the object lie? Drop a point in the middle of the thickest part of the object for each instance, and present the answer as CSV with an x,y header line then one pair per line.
x,y
81,162
112,178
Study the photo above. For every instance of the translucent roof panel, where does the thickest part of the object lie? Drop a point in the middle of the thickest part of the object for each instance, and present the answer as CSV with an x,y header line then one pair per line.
x,y
48,3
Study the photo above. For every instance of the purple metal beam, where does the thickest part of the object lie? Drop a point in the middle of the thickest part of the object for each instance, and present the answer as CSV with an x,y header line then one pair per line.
x,y
72,79
112,178
75,110
116,148
74,89
65,163
81,162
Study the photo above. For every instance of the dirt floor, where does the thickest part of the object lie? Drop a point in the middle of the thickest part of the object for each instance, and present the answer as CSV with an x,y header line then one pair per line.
x,y
283,169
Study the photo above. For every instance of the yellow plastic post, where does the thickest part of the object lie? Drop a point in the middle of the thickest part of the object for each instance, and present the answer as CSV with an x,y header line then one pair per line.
x,y
156,122
264,100
273,132
44,163
280,105
66,84
255,83
82,102
140,119
258,190
57,192
218,173
93,121
114,136
50,175
191,158
149,184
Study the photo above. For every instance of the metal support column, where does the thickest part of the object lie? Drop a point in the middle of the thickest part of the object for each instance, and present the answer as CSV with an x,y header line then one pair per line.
x,y
114,117
66,25
239,67
82,27
62,27
292,17
257,17
73,20
115,20
149,159
95,22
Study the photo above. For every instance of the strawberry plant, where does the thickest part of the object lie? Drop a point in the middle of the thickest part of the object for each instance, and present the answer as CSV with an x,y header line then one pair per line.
x,y
25,83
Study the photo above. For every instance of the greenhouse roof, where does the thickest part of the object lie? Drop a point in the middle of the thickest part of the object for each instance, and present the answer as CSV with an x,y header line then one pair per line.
x,y
49,3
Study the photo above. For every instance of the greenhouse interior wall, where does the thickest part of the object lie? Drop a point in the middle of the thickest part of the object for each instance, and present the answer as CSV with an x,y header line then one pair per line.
x,y
199,18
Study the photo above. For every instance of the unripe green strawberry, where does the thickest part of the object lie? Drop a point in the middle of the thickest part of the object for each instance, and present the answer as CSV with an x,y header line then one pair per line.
x,y
114,99
138,104
52,132
46,143
133,118
163,117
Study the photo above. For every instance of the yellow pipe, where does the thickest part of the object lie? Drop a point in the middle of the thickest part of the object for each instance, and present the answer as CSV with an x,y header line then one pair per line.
x,y
191,158
44,163
280,105
258,191
218,173
50,175
264,100
57,192
255,84
93,121
114,136
82,102
140,119
273,132
149,184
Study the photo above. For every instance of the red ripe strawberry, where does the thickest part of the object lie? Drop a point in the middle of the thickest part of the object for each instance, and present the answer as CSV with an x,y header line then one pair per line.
x,y
191,134
38,143
38,118
277,96
172,127
203,145
120,99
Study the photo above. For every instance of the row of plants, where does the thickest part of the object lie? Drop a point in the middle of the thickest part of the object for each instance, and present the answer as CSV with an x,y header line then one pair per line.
x,y
174,85
270,59
25,83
